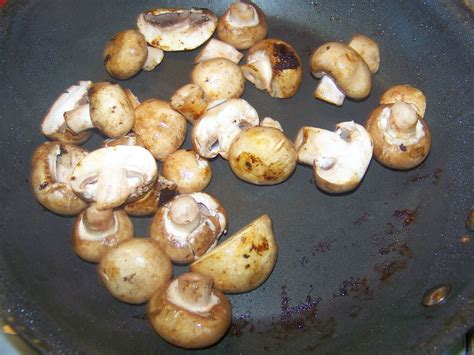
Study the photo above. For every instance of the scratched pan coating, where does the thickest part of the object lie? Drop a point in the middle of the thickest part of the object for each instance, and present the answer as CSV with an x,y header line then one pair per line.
x,y
352,269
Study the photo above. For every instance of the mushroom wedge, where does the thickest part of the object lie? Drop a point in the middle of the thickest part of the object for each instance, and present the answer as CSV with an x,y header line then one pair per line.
x,y
115,175
177,29
339,159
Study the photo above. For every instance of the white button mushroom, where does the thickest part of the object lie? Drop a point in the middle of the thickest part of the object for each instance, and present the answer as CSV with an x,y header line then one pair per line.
x,y
339,159
218,49
112,176
189,225
52,167
191,101
220,124
177,29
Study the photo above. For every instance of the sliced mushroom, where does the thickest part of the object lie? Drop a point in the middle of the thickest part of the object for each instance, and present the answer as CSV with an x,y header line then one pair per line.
x,y
242,25
161,128
134,270
115,175
339,159
343,73
274,65
218,49
188,170
220,124
52,167
368,49
54,126
188,226
242,262
219,78
189,312
408,94
96,231
191,101
177,29
262,155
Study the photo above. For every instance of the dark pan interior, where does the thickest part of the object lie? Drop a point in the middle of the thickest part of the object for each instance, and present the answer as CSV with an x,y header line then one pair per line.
x,y
352,269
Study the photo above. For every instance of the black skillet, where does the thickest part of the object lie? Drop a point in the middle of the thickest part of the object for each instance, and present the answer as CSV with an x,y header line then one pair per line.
x,y
352,270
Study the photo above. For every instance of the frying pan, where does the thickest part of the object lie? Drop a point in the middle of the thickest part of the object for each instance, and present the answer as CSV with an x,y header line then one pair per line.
x,y
352,269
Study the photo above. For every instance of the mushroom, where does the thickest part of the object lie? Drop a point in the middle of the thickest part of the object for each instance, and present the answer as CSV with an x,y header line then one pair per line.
x,y
270,122
96,231
52,166
108,109
368,49
127,53
191,101
219,78
188,170
242,25
115,175
402,139
220,124
132,98
54,126
130,139
242,262
408,94
274,65
343,73
188,312
262,155
134,270
218,49
177,29
339,159
188,225
161,128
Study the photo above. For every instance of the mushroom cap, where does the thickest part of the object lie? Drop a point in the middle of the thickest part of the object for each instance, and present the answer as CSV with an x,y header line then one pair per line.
x,y
91,243
125,54
114,175
218,49
397,152
368,49
274,65
184,245
339,159
345,66
161,128
134,270
175,29
220,124
188,170
408,94
262,156
110,110
54,126
183,327
242,25
219,78
191,101
52,166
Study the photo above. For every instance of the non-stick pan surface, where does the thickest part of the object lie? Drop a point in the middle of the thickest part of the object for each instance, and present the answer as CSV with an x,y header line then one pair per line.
x,y
352,269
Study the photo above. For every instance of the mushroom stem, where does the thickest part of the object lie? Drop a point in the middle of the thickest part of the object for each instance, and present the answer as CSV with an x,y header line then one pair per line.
x,y
402,118
112,188
79,119
98,220
185,214
193,292
328,91
154,57
258,70
243,14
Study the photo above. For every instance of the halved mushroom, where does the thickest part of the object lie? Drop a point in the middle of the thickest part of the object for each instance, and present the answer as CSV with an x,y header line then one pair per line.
x,y
339,159
188,226
115,175
262,155
219,78
54,126
342,71
242,25
274,65
177,29
368,49
52,167
108,109
134,270
408,94
218,49
96,231
161,128
220,124
189,313
188,170
191,101
242,262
